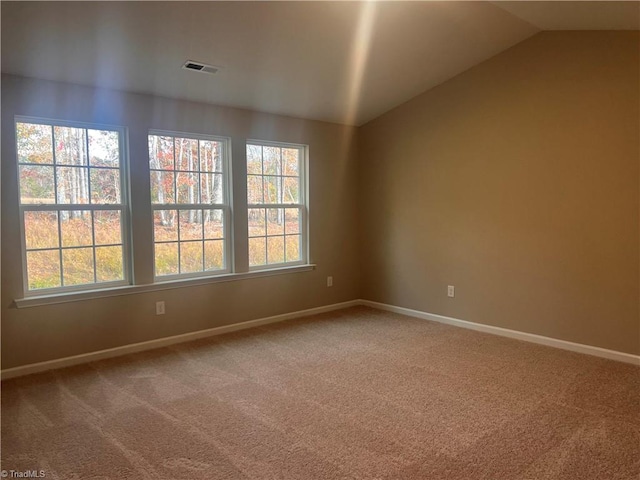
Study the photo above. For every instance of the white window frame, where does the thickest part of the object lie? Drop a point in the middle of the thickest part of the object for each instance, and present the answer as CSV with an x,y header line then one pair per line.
x,y
225,206
303,203
123,207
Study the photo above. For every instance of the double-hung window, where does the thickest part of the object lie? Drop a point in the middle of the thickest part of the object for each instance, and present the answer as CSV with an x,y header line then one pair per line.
x,y
73,205
190,201
276,196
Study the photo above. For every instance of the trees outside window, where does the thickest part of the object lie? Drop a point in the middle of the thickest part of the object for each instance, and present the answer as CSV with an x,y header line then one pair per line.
x,y
276,204
74,210
190,204
72,206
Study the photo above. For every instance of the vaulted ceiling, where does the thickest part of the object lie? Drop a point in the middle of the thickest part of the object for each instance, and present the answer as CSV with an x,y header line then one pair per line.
x,y
344,62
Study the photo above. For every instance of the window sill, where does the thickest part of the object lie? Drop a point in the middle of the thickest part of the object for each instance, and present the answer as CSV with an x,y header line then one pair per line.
x,y
37,301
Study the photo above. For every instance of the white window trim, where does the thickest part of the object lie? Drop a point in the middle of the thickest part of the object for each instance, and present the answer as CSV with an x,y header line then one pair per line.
x,y
304,205
124,207
226,208
40,297
41,300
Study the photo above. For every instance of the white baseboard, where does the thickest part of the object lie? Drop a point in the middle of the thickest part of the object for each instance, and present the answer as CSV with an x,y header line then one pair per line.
x,y
505,332
163,342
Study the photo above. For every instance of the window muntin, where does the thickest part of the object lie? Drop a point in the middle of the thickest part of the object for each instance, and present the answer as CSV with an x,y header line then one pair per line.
x,y
72,205
276,204
190,201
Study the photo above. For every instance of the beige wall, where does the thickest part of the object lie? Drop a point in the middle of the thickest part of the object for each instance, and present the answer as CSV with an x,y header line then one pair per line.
x,y
41,333
517,182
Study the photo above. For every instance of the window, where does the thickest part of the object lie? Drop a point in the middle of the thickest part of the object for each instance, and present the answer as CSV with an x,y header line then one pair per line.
x,y
72,205
276,201
75,218
189,195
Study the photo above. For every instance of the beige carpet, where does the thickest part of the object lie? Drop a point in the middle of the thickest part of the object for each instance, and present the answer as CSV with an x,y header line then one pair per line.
x,y
356,393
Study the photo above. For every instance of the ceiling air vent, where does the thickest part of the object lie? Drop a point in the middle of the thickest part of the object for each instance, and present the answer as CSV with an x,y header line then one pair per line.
x,y
200,67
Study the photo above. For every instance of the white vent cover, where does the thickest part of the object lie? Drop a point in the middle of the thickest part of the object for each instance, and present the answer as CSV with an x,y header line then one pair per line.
x,y
200,67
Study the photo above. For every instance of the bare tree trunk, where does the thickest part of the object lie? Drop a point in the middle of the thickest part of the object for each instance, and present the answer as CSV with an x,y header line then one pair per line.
x,y
72,151
217,179
178,165
116,188
83,177
192,187
207,164
279,181
155,165
62,193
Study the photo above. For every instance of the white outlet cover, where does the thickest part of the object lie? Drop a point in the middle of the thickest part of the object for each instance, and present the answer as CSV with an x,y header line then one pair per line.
x,y
159,308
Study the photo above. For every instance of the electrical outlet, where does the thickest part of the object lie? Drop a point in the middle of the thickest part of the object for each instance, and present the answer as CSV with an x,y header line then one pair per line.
x,y
451,291
329,281
160,308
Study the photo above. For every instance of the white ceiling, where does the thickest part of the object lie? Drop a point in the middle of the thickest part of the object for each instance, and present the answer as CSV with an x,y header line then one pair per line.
x,y
577,15
344,62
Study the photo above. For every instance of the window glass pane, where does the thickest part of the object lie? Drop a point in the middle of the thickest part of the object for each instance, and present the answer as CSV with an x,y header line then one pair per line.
x,y
105,185
254,189
292,220
190,257
41,229
43,269
109,264
274,177
254,160
257,225
273,189
199,181
187,185
210,156
87,171
36,185
73,185
293,248
34,143
291,187
211,187
275,221
70,145
77,266
104,150
272,163
214,255
165,225
107,227
160,152
190,224
166,258
162,187
257,251
75,226
213,223
290,160
187,154
275,249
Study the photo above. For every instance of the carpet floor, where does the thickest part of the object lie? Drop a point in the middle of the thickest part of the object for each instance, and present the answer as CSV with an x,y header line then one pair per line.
x,y
356,393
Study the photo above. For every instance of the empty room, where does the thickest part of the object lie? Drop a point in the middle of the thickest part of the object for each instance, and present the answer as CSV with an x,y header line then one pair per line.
x,y
320,240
